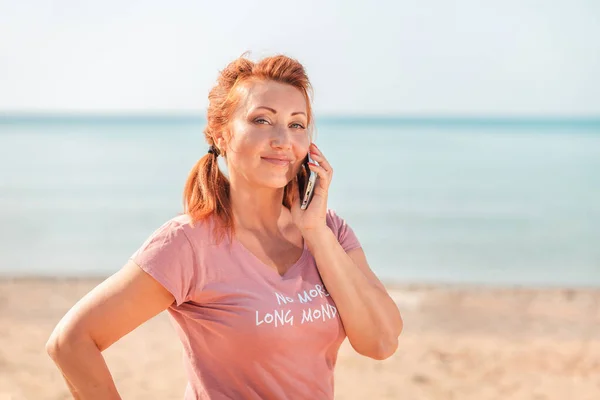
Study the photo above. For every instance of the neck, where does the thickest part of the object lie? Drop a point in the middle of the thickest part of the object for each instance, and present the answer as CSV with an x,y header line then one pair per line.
x,y
256,209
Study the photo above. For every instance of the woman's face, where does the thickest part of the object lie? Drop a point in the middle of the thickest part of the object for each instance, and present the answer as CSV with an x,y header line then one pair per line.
x,y
268,136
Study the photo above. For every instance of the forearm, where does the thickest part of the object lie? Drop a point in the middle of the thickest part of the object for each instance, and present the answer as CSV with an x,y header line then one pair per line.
x,y
84,370
370,316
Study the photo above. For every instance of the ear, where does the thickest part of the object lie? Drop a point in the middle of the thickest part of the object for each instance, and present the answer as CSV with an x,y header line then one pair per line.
x,y
220,141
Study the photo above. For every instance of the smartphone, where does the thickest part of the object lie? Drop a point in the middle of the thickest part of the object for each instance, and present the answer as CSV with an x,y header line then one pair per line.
x,y
307,180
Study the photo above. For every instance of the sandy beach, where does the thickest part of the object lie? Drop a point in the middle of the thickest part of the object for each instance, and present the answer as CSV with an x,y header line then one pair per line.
x,y
458,343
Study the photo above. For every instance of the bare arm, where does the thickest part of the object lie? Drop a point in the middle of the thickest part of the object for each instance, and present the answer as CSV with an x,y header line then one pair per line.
x,y
370,316
108,312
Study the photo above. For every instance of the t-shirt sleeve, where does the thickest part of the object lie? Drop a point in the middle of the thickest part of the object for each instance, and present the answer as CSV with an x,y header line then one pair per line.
x,y
345,235
168,256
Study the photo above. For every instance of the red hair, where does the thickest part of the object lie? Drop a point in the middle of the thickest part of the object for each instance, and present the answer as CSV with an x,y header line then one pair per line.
x,y
206,190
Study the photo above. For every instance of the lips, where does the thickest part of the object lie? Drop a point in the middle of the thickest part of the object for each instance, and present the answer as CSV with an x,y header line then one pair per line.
x,y
278,159
282,161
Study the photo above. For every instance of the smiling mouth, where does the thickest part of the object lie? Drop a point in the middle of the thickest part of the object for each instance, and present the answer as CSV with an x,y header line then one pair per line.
x,y
277,161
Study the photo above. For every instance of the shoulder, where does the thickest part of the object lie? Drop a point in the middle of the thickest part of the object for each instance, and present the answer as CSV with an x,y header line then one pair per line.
x,y
334,220
178,235
170,256
195,232
342,230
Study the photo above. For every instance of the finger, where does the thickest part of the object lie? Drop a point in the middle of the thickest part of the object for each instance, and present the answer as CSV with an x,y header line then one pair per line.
x,y
320,158
323,180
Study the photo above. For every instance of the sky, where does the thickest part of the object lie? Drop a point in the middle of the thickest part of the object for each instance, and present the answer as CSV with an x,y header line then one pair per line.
x,y
417,57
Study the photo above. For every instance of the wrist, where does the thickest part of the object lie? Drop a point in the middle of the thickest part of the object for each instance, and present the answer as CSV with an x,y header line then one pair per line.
x,y
316,236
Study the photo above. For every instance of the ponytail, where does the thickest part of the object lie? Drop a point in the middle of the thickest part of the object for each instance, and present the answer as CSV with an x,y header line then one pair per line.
x,y
206,193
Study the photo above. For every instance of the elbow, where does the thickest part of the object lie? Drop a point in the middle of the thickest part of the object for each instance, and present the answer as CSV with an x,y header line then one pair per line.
x,y
399,327
385,350
381,350
388,344
56,345
60,344
385,345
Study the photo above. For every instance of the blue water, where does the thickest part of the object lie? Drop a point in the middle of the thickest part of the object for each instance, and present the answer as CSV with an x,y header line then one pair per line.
x,y
458,201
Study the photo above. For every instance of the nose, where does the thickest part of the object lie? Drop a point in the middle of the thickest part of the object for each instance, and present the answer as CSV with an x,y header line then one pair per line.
x,y
281,138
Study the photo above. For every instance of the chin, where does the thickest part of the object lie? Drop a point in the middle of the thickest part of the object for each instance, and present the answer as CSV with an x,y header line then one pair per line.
x,y
279,184
274,182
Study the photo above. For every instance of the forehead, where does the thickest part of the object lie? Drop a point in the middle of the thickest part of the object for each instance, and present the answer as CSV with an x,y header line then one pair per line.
x,y
279,96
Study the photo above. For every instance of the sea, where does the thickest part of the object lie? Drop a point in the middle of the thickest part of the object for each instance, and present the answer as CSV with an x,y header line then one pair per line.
x,y
433,200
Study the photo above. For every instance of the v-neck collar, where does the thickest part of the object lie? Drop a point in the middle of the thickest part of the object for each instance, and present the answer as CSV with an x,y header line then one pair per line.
x,y
269,271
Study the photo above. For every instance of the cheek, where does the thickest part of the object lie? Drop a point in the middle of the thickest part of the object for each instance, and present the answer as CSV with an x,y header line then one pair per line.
x,y
245,140
301,146
301,142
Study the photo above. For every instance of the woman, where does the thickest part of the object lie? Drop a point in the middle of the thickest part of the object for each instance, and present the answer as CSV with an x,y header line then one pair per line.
x,y
261,293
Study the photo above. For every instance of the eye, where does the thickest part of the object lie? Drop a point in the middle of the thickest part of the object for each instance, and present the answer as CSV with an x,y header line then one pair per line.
x,y
297,125
261,121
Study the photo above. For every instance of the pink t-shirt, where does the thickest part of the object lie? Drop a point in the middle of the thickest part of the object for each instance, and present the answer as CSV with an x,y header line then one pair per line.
x,y
247,332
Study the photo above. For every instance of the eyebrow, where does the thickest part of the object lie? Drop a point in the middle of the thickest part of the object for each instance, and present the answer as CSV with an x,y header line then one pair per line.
x,y
275,112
